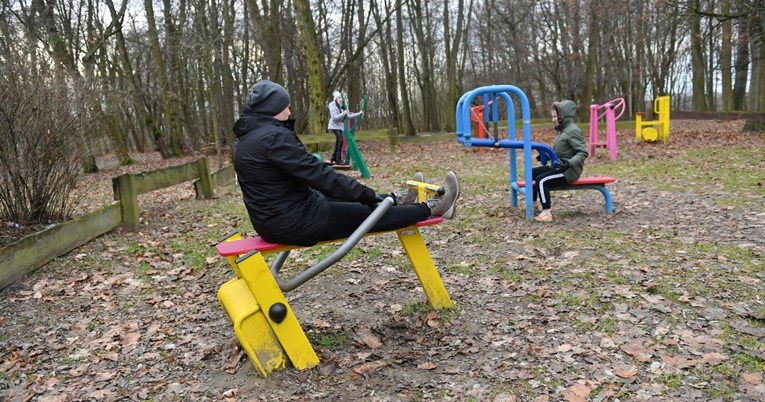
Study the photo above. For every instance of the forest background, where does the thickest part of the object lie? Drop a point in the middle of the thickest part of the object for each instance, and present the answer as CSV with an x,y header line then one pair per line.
x,y
81,78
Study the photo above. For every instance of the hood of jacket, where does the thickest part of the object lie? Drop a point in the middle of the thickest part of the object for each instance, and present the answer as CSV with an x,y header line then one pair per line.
x,y
566,110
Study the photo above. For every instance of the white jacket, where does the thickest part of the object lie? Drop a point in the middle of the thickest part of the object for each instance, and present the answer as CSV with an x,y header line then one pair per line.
x,y
336,116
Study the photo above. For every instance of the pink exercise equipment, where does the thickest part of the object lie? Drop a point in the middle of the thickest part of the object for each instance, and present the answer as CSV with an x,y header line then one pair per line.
x,y
607,110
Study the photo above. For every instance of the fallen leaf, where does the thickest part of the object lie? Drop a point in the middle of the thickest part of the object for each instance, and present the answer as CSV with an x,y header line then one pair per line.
x,y
638,351
426,366
679,361
752,378
368,367
714,358
372,341
327,368
130,339
576,393
629,373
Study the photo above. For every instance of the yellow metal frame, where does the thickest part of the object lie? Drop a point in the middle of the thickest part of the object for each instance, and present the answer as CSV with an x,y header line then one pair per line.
x,y
653,130
270,344
424,190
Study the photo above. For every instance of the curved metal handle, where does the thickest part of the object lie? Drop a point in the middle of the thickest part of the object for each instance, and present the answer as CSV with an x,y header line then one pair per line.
x,y
347,246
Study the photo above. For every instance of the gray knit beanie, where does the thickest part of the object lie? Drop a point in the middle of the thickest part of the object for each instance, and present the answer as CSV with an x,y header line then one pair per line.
x,y
268,98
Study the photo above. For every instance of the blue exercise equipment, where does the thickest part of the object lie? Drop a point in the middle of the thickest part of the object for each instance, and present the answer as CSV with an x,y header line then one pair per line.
x,y
495,92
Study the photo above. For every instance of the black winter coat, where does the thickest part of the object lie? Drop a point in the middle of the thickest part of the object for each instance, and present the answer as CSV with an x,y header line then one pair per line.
x,y
283,186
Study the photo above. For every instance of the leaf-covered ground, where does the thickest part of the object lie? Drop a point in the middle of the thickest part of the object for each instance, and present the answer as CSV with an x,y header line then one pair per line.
x,y
661,301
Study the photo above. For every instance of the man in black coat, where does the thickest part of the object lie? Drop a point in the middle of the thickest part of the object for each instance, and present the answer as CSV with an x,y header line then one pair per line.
x,y
294,198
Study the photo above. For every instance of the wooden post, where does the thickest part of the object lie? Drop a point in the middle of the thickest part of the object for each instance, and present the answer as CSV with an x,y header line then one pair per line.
x,y
204,178
128,200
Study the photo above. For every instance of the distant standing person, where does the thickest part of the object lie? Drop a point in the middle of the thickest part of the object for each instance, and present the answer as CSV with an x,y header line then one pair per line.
x,y
338,112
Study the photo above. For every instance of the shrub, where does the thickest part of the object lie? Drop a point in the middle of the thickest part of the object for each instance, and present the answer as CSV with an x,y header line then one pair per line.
x,y
39,149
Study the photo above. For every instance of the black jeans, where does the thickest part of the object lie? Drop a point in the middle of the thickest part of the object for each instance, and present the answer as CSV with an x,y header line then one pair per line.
x,y
337,154
345,217
546,177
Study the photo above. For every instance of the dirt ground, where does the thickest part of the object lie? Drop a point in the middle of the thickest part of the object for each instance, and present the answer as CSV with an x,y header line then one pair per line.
x,y
661,301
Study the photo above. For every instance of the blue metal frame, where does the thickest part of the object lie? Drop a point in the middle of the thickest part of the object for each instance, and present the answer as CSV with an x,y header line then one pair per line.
x,y
463,128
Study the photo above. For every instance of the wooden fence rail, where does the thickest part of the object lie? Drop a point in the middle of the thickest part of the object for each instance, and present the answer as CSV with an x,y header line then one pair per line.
x,y
26,255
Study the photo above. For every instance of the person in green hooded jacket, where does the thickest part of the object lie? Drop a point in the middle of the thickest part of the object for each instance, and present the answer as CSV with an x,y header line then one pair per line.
x,y
571,149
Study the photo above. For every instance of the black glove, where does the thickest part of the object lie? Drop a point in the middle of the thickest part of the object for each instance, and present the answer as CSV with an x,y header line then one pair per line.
x,y
391,195
380,197
564,164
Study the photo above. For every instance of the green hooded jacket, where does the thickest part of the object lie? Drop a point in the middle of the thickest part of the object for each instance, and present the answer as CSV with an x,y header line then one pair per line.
x,y
569,144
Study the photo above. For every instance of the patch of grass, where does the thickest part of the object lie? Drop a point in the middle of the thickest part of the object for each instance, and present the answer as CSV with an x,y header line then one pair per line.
x,y
414,308
721,170
446,315
554,383
417,395
670,380
738,364
329,340
721,391
505,272
323,251
608,325
193,256
143,268
750,342
674,263
569,299
354,254
374,252
460,269
615,277
133,248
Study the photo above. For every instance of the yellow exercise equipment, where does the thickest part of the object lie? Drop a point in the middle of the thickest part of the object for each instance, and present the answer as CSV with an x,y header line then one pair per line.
x,y
264,322
653,130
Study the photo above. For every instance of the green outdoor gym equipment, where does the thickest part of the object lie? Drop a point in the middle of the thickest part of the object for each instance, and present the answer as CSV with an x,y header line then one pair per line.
x,y
349,130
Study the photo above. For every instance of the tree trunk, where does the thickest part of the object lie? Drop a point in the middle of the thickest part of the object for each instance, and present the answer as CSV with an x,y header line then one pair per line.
x,y
227,114
452,51
211,89
726,70
159,62
317,114
710,71
757,84
742,64
136,93
406,110
175,91
589,69
65,66
267,26
697,62
386,50
421,25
